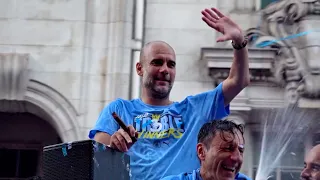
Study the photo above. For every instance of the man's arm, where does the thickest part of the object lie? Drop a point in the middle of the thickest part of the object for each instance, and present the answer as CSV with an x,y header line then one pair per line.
x,y
103,138
120,140
107,132
239,76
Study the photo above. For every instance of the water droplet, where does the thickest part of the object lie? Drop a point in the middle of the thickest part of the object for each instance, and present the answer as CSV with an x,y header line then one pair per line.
x,y
96,162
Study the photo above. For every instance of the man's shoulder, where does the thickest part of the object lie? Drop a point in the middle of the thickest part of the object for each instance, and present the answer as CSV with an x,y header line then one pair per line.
x,y
122,102
217,91
184,176
241,176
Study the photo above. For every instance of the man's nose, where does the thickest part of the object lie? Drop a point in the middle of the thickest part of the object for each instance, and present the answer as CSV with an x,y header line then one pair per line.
x,y
164,68
305,174
236,156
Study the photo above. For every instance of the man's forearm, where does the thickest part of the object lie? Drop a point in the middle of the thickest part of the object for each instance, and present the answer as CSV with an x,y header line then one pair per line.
x,y
239,72
239,76
102,138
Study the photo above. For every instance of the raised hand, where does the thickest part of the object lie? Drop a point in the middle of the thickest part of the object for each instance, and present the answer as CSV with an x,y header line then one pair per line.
x,y
216,20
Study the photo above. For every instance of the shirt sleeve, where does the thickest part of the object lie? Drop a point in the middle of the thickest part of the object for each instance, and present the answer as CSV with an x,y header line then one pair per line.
x,y
241,176
211,104
106,122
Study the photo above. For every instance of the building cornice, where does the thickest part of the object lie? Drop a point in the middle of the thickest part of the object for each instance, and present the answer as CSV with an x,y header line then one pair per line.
x,y
261,63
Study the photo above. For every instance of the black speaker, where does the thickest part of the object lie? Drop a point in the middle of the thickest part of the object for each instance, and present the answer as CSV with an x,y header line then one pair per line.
x,y
84,160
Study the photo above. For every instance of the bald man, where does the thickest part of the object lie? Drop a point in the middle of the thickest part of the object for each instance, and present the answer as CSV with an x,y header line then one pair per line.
x,y
311,169
166,130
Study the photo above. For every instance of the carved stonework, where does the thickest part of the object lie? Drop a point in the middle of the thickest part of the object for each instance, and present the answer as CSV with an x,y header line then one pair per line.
x,y
285,27
256,75
13,76
261,62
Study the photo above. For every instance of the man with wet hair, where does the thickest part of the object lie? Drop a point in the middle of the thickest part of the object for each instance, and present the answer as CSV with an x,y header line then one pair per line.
x,y
311,170
166,129
220,151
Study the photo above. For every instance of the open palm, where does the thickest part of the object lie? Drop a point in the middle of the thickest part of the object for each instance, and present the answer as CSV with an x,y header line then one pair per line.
x,y
222,24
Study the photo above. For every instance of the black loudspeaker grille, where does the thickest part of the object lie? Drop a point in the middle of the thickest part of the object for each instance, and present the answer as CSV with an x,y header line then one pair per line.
x,y
84,160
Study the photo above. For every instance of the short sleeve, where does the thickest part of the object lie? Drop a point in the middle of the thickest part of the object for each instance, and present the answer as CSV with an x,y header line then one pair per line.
x,y
241,176
105,122
211,104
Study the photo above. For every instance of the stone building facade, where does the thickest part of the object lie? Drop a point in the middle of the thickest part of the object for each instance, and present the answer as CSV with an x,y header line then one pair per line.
x,y
61,62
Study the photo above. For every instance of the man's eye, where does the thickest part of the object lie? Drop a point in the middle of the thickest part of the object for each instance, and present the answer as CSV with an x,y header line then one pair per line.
x,y
172,65
157,62
316,168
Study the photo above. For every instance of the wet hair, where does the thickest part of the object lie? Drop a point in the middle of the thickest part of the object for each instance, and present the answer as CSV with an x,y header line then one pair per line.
x,y
209,130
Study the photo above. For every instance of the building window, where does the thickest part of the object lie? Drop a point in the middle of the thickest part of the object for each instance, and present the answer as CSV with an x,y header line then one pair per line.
x,y
291,162
273,175
290,174
135,79
18,163
282,174
265,3
138,19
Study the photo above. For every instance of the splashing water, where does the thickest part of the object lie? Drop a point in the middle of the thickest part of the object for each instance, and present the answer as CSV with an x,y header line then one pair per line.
x,y
283,128
126,165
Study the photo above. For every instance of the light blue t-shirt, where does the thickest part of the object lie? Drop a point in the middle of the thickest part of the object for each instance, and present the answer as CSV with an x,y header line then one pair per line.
x,y
167,134
195,175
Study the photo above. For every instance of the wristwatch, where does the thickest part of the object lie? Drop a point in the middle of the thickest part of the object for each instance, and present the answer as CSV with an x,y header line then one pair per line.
x,y
240,46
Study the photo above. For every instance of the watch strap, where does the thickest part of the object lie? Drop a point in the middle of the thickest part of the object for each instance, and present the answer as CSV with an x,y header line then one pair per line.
x,y
240,46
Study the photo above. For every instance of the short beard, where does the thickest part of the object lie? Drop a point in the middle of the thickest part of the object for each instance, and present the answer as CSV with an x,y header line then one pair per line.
x,y
160,95
155,93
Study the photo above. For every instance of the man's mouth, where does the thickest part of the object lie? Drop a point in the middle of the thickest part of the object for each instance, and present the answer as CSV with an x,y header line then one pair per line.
x,y
164,80
229,168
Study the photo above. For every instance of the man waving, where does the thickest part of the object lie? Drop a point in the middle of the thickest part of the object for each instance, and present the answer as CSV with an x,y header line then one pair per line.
x,y
167,130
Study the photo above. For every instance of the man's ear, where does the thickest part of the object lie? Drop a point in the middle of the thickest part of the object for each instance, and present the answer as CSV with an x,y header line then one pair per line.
x,y
139,68
201,151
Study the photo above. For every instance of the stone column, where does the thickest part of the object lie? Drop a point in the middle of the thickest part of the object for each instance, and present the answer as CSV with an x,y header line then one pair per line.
x,y
108,40
108,33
